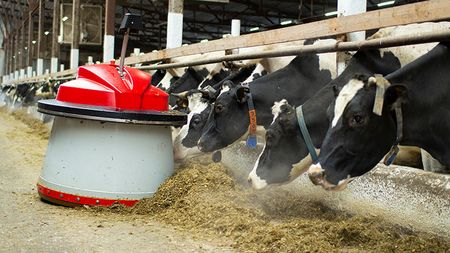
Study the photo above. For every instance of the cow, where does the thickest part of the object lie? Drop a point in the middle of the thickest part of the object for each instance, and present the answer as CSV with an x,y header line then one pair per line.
x,y
200,105
411,108
299,80
285,155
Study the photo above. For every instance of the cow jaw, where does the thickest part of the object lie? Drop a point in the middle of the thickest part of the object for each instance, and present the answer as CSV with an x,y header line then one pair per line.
x,y
256,182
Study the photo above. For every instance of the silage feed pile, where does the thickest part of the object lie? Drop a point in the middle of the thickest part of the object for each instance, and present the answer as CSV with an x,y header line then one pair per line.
x,y
205,200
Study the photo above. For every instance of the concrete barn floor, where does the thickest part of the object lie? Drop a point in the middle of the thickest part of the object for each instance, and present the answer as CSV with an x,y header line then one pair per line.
x,y
29,225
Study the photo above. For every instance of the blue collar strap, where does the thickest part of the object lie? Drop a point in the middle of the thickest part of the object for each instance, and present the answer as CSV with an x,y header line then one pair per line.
x,y
251,139
305,134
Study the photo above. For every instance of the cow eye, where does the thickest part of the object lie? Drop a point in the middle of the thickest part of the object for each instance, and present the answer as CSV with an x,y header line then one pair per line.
x,y
195,121
357,120
218,108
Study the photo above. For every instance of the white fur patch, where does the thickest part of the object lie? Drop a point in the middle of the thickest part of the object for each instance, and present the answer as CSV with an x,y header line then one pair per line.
x,y
327,61
196,106
257,182
302,166
165,82
345,96
407,54
257,71
225,88
276,108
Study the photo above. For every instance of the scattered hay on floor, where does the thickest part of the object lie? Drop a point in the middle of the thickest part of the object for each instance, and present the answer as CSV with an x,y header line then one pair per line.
x,y
35,126
205,200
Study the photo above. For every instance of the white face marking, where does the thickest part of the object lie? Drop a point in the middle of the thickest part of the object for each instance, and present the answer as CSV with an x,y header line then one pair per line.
x,y
225,88
276,108
345,96
257,182
196,106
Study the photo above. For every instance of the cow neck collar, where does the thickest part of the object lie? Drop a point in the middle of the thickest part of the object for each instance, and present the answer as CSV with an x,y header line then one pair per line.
x,y
392,154
251,139
306,135
381,85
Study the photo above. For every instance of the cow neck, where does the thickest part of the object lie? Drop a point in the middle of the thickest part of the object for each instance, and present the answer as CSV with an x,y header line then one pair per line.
x,y
392,154
420,110
315,109
251,139
306,136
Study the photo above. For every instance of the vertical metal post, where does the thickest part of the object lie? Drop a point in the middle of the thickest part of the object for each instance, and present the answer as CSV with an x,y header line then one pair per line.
x,y
124,51
235,31
30,45
235,27
10,55
7,55
55,44
108,41
175,24
22,51
14,60
74,50
347,8
40,43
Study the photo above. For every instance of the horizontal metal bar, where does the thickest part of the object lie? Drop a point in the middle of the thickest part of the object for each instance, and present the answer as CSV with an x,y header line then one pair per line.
x,y
310,49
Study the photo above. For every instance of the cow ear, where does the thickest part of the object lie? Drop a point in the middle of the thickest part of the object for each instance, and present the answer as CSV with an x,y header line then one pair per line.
x,y
396,93
242,94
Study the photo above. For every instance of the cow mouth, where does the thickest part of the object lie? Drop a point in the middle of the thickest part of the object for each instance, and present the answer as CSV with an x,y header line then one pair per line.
x,y
317,176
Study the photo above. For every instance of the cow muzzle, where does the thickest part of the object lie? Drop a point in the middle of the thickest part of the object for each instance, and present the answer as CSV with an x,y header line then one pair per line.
x,y
317,176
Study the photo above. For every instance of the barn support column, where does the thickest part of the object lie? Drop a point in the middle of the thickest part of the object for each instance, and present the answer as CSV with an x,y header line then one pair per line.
x,y
30,45
175,24
55,32
108,40
2,56
7,55
16,55
235,31
235,27
40,44
347,8
22,52
11,56
74,50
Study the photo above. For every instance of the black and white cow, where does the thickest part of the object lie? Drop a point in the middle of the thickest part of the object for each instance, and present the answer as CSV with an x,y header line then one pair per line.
x,y
200,105
285,155
358,138
299,80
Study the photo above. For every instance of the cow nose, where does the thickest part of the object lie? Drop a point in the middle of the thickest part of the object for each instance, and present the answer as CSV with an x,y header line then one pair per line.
x,y
249,180
315,174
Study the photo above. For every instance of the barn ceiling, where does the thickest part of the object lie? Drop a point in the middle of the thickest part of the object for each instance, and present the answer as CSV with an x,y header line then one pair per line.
x,y
202,19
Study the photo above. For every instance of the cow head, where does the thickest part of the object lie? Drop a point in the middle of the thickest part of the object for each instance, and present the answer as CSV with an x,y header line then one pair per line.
x,y
227,120
357,138
285,156
185,144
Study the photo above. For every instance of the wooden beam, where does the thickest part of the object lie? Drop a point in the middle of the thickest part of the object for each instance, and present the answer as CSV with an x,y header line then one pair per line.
x,y
40,43
432,10
55,29
412,13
